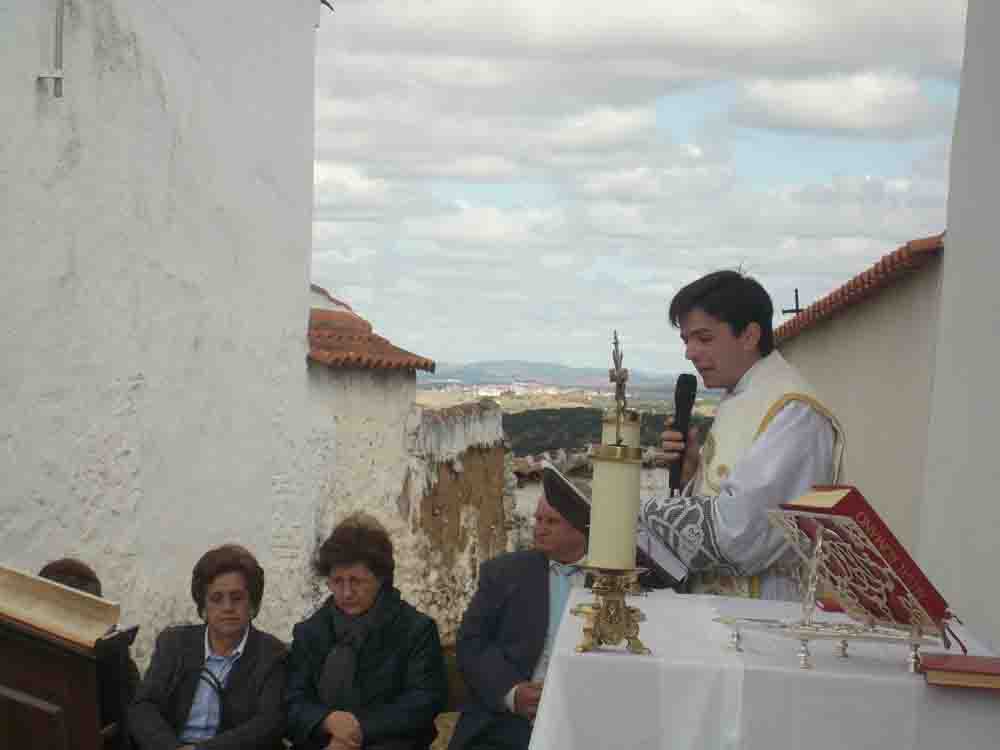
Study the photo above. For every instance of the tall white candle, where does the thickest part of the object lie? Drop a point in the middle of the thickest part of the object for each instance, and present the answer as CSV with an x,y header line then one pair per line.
x,y
614,507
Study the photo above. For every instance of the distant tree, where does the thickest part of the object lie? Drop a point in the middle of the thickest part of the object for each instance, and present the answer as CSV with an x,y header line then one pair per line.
x,y
537,430
653,426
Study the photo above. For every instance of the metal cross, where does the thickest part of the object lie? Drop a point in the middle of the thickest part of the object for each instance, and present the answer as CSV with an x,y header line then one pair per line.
x,y
619,376
794,310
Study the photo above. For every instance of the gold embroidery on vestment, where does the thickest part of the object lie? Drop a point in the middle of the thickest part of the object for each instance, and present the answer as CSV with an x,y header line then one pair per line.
x,y
782,402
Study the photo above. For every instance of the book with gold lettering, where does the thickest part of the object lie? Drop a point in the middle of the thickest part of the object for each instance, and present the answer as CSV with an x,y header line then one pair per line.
x,y
875,579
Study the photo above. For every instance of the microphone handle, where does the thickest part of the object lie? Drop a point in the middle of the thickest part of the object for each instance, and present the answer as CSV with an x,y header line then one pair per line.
x,y
682,423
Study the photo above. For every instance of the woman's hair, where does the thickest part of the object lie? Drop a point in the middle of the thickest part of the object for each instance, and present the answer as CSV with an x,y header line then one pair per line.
x,y
731,297
73,573
359,538
229,558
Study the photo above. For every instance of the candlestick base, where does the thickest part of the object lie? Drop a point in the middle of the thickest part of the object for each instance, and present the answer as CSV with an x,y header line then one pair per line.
x,y
608,619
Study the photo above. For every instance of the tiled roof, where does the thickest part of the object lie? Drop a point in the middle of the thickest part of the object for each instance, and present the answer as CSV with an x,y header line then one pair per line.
x,y
342,338
890,269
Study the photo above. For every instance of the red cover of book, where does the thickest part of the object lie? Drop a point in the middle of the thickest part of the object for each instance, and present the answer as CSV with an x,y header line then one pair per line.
x,y
874,576
961,671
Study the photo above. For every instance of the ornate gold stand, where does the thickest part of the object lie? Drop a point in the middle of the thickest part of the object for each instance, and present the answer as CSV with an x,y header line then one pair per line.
x,y
828,560
609,620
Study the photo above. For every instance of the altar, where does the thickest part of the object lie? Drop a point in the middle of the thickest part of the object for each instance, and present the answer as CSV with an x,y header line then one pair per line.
x,y
695,692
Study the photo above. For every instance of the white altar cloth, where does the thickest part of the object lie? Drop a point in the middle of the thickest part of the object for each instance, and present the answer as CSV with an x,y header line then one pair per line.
x,y
695,693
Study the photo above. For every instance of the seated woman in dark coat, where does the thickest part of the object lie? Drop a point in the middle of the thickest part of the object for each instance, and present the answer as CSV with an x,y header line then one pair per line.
x,y
366,670
219,685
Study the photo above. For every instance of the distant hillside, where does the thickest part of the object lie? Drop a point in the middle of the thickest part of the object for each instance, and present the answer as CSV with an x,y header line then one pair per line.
x,y
506,371
532,432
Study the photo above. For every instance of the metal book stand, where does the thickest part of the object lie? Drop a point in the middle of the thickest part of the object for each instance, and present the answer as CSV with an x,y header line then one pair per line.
x,y
842,559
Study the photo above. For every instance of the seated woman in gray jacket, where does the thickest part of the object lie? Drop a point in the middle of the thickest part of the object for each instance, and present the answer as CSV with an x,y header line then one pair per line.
x,y
219,685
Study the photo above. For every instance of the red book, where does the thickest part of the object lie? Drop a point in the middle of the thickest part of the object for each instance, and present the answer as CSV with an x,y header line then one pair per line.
x,y
874,576
961,671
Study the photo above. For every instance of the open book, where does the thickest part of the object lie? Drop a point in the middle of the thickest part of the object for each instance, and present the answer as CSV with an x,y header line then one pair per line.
x,y
873,575
662,561
53,611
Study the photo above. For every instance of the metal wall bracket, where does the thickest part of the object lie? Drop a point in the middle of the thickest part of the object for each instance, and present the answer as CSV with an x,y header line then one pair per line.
x,y
56,73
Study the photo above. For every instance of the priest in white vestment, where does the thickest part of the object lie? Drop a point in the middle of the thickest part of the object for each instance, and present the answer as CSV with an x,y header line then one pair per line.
x,y
771,441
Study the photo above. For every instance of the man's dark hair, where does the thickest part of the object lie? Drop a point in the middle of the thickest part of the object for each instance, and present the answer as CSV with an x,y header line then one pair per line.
x,y
731,297
73,573
359,538
229,558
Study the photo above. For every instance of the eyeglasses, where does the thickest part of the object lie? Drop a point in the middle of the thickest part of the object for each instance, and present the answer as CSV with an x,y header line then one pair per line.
x,y
354,583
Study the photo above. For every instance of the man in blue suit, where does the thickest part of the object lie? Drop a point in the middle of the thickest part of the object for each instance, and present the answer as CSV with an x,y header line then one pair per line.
x,y
506,637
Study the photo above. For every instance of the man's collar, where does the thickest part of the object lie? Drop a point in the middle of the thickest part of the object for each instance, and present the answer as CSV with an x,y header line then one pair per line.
x,y
238,651
744,382
577,564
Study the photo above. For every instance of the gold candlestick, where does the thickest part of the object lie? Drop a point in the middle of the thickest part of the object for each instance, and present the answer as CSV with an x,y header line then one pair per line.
x,y
613,514
609,620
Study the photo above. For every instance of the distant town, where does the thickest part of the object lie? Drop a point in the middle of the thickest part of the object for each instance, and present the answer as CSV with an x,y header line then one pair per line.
x,y
526,386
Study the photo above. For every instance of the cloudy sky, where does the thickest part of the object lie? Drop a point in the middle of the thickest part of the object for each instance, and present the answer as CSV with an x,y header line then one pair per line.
x,y
515,180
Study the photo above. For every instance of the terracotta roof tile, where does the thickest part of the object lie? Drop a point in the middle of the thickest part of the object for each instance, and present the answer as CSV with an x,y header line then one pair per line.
x,y
892,267
342,338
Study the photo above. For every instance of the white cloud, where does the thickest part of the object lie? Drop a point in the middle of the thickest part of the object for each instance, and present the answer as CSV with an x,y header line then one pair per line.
x,y
638,182
349,182
557,260
602,128
860,104
730,35
495,180
487,226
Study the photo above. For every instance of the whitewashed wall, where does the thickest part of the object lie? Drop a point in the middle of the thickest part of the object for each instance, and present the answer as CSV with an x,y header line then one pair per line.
x,y
388,453
156,241
374,414
872,366
960,518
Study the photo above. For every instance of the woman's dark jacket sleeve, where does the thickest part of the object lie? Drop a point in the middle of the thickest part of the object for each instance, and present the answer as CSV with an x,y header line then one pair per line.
x,y
305,710
146,719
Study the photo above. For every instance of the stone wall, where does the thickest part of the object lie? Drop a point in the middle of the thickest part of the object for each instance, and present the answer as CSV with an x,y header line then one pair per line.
x,y
464,519
437,479
460,507
157,234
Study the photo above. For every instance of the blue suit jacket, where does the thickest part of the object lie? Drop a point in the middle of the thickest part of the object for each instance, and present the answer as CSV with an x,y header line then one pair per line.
x,y
501,637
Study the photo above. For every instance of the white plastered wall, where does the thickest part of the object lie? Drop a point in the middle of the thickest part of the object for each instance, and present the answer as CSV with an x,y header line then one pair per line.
x,y
374,414
388,454
960,513
871,367
156,242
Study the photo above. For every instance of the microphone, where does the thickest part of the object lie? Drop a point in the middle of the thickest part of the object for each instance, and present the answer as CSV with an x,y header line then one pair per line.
x,y
684,393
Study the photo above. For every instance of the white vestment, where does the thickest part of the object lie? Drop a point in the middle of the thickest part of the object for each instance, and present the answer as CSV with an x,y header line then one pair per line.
x,y
719,526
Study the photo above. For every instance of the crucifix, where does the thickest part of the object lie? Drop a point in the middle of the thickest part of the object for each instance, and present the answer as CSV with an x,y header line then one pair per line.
x,y
794,310
619,376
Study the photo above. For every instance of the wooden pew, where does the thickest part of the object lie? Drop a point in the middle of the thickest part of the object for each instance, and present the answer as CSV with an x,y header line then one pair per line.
x,y
56,695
